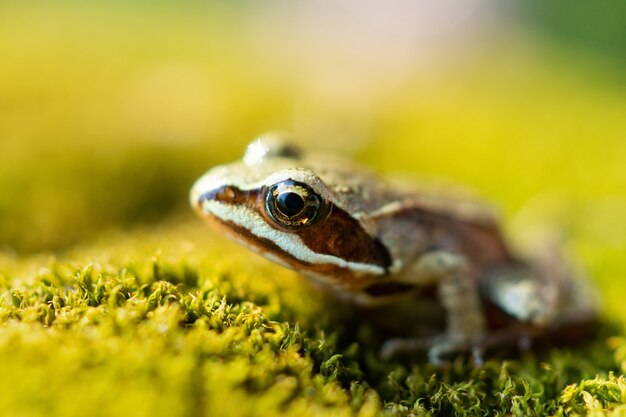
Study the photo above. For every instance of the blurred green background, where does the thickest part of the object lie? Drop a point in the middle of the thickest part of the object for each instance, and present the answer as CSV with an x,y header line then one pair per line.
x,y
110,110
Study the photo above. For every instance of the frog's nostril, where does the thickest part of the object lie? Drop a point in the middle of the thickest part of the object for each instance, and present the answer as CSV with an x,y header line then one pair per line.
x,y
223,194
226,194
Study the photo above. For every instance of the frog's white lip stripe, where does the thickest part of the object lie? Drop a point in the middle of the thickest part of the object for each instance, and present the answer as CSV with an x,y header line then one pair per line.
x,y
288,242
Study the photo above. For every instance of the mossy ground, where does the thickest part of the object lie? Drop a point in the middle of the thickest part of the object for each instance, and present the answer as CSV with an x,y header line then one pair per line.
x,y
163,322
115,300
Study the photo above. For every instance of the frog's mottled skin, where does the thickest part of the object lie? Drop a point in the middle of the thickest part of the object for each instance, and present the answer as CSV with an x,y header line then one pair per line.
x,y
377,245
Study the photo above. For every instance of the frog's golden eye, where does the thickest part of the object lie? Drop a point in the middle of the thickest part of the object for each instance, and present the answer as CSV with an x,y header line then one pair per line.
x,y
293,204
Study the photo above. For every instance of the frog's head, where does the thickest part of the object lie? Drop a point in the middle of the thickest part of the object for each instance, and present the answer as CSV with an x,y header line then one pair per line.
x,y
278,206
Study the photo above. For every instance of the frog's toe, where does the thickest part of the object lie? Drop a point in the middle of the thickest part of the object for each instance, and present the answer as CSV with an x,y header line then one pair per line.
x,y
437,349
399,346
478,356
447,346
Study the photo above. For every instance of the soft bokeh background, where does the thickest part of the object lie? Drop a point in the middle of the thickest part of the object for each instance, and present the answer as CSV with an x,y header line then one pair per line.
x,y
110,110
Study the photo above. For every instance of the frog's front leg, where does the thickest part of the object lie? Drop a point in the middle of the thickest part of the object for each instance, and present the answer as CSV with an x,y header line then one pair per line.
x,y
459,297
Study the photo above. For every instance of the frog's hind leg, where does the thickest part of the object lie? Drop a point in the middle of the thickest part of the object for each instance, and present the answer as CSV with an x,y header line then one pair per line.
x,y
522,294
547,296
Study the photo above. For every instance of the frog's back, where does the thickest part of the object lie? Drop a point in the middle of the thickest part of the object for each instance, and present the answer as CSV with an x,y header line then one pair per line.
x,y
478,238
412,222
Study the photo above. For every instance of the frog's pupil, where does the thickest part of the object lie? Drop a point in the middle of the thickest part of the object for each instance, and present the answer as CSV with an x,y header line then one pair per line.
x,y
290,203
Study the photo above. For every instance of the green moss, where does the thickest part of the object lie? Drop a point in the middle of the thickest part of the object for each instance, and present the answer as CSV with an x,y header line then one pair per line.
x,y
149,326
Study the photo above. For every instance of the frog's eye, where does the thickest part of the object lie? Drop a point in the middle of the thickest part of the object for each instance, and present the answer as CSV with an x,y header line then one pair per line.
x,y
293,204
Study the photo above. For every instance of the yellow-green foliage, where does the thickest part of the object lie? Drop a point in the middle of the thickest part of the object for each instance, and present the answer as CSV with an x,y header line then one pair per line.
x,y
115,300
164,323
595,397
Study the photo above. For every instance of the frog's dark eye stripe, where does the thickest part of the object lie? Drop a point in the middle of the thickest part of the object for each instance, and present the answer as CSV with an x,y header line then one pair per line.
x,y
282,213
294,205
254,228
228,195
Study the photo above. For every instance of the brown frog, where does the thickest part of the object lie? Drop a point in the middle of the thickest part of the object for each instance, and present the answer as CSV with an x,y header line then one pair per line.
x,y
373,244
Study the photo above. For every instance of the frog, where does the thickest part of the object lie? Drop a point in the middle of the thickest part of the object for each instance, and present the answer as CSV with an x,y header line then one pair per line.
x,y
373,244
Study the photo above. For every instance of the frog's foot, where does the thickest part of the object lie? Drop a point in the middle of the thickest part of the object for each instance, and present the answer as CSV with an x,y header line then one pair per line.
x,y
522,294
446,346
400,346
529,302
437,348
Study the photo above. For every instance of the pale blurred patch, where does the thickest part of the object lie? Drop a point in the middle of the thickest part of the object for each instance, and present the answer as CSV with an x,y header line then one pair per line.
x,y
346,57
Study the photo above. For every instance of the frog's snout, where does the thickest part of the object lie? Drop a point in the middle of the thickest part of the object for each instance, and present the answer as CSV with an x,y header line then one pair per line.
x,y
212,189
195,197
207,188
